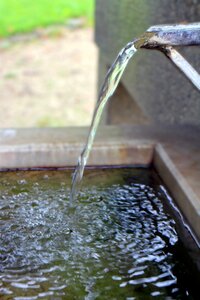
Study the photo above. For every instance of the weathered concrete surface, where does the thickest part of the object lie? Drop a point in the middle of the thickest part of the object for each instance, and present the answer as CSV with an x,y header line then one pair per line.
x,y
59,147
181,180
154,83
174,151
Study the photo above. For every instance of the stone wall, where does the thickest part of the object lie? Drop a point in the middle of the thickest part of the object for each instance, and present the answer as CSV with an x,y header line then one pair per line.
x,y
154,84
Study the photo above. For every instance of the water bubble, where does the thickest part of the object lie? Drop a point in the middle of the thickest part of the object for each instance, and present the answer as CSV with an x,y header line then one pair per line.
x,y
50,249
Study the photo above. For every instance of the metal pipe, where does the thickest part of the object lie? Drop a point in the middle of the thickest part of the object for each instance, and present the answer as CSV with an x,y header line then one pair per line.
x,y
173,35
165,37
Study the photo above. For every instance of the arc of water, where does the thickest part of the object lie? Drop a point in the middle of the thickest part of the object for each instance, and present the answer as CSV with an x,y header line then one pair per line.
x,y
109,86
162,38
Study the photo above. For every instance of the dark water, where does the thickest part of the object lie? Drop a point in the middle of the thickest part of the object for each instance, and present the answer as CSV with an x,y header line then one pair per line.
x,y
119,243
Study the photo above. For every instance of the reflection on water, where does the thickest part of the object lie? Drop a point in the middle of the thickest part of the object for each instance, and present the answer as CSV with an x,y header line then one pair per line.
x,y
122,244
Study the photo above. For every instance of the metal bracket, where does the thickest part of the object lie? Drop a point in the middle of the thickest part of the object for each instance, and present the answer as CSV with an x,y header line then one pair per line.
x,y
165,37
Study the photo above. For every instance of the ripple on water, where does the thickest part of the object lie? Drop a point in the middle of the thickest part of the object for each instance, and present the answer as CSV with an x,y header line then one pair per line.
x,y
118,243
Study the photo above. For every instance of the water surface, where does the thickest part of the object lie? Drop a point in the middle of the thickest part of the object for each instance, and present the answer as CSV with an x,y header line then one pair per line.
x,y
119,243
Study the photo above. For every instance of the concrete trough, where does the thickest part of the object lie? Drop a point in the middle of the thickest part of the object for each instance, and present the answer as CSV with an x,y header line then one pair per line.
x,y
172,150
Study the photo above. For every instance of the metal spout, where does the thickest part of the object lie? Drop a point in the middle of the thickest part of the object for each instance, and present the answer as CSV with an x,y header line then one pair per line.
x,y
174,35
165,37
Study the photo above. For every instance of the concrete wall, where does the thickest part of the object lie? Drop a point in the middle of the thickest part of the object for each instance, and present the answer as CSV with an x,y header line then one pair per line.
x,y
153,83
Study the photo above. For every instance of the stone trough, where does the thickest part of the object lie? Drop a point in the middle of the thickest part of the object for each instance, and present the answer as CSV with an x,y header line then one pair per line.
x,y
148,123
172,150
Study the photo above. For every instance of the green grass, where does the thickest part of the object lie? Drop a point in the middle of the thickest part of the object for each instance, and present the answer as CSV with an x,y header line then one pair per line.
x,y
18,16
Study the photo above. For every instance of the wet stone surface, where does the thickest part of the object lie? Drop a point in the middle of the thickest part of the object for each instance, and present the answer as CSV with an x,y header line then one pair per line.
x,y
117,242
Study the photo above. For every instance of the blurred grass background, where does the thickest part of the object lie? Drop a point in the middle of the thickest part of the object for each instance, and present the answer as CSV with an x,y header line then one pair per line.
x,y
19,16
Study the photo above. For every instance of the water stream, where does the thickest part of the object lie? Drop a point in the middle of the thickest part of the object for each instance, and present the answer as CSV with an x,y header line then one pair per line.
x,y
109,86
161,38
126,247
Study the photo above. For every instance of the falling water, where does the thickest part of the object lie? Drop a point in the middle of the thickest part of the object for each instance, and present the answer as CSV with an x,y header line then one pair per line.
x,y
109,86
162,38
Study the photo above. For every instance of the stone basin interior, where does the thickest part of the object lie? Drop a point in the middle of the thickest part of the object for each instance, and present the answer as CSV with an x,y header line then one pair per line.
x,y
168,151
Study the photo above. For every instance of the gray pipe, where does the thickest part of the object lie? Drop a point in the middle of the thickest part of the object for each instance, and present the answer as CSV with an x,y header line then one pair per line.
x,y
173,35
164,37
